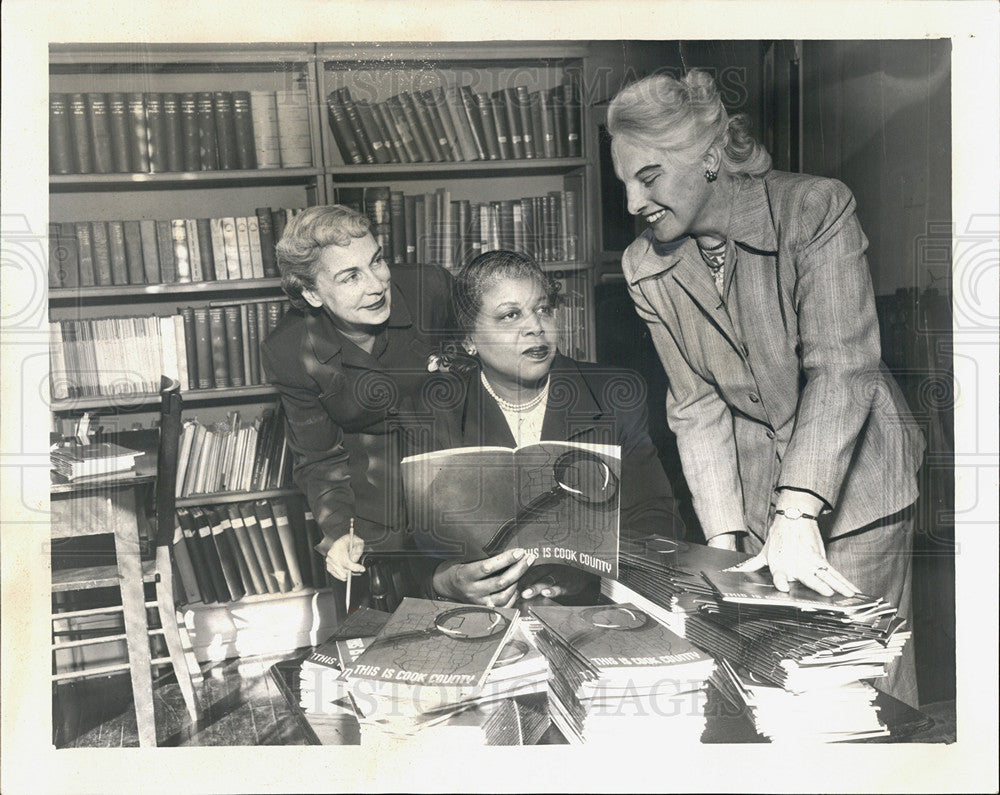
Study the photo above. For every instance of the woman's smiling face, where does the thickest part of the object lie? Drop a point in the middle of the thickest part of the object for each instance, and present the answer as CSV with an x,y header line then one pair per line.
x,y
515,333
669,192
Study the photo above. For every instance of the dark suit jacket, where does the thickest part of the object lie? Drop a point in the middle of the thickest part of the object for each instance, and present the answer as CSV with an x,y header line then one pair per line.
x,y
590,403
780,384
337,398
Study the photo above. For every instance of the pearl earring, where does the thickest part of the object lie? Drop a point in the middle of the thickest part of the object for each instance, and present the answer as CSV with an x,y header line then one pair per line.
x,y
711,174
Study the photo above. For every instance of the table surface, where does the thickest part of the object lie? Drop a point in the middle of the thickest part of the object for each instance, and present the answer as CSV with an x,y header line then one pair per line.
x,y
724,723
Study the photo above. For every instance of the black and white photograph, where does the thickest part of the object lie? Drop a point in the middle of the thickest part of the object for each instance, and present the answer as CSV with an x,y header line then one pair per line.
x,y
387,385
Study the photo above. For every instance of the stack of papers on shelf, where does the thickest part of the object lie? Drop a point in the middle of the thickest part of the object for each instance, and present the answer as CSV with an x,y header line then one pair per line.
x,y
664,577
73,460
620,676
799,640
836,714
448,675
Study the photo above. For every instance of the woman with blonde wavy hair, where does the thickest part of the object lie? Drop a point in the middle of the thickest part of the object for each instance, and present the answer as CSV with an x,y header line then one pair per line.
x,y
795,440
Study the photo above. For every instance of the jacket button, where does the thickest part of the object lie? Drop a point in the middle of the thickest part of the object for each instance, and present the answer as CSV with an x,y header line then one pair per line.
x,y
392,412
769,433
753,397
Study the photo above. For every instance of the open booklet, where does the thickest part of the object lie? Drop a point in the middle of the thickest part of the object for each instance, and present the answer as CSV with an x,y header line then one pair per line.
x,y
559,499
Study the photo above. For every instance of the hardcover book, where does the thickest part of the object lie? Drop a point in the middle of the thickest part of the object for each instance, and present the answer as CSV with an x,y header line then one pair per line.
x,y
558,499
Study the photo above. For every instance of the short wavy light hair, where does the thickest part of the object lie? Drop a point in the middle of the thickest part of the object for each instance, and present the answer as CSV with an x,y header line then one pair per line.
x,y
305,237
686,116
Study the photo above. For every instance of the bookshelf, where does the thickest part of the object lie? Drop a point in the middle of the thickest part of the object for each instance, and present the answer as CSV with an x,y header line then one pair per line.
x,y
552,191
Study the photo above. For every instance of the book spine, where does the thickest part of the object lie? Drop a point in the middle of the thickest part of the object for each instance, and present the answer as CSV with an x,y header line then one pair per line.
x,y
372,132
101,253
165,250
185,567
197,555
203,349
197,449
150,251
156,132
206,251
460,122
57,257
86,254
243,248
319,574
256,536
208,150
354,122
180,351
234,345
118,124
225,129
252,344
138,133
436,99
557,102
184,452
499,114
487,124
571,110
571,214
242,567
394,106
273,544
287,541
133,252
265,227
517,147
264,110
173,132
397,223
246,549
169,365
377,206
246,155
256,255
220,356
303,551
119,256
182,260
79,125
543,110
218,243
68,255
523,104
384,111
190,153
260,312
60,149
100,133
231,246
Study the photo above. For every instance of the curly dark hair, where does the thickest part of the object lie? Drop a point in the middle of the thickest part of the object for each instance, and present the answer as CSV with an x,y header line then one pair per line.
x,y
477,276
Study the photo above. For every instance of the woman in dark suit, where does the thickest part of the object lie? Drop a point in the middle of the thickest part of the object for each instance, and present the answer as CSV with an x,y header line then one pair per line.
x,y
795,440
519,390
357,338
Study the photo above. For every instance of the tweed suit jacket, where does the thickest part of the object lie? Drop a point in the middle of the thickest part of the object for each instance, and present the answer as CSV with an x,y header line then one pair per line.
x,y
340,403
779,382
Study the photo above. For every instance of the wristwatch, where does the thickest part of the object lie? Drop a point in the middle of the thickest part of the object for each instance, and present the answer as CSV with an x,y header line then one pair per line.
x,y
794,513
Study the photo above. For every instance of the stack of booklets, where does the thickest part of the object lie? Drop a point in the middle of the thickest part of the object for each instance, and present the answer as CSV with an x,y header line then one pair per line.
x,y
836,714
438,674
799,640
74,461
664,577
620,676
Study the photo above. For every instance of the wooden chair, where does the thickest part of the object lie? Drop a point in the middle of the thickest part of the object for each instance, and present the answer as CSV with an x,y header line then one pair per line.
x,y
112,506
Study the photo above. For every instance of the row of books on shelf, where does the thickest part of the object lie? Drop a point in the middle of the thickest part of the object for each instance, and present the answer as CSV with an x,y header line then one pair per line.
x,y
234,455
171,251
456,123
432,227
225,552
156,132
204,347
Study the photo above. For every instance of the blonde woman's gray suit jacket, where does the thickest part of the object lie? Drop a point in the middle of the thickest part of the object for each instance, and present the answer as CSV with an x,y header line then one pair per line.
x,y
780,384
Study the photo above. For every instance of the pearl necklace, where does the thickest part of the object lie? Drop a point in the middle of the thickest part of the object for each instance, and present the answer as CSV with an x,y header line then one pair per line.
x,y
506,405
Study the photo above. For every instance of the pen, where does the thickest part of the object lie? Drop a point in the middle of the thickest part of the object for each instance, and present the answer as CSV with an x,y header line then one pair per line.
x,y
347,600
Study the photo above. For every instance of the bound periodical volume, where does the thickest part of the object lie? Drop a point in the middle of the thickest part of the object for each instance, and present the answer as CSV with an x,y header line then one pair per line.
x,y
228,551
450,123
157,132
171,251
73,460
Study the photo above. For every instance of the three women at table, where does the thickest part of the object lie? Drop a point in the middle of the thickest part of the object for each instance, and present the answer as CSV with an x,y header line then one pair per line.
x,y
795,440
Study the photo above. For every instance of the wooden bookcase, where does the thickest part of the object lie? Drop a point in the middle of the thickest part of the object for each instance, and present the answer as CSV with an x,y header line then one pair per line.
x,y
373,72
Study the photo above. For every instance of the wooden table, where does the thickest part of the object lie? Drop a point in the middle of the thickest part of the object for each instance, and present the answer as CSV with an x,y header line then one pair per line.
x,y
111,504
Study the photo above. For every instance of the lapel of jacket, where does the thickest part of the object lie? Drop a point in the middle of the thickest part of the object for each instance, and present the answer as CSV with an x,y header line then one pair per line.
x,y
572,406
483,424
692,276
